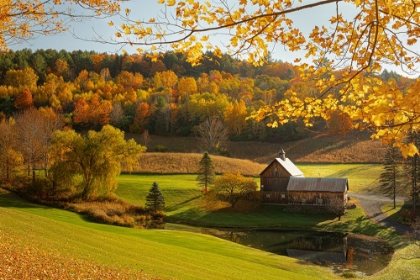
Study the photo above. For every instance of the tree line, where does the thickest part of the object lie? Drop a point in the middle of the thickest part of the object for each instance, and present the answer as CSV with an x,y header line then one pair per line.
x,y
168,96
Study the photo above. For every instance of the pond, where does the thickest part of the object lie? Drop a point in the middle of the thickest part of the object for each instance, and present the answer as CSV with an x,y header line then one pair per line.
x,y
341,252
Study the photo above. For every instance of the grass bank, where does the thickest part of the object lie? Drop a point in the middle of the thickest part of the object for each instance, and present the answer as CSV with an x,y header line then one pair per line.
x,y
164,254
174,254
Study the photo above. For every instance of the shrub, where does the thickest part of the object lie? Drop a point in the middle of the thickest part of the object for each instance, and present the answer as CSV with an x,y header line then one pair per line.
x,y
160,148
232,188
348,274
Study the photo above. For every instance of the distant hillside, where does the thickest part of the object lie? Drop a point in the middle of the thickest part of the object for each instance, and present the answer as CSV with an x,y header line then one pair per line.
x,y
188,163
355,147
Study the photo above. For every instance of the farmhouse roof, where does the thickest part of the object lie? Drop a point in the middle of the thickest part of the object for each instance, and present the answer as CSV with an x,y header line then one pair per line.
x,y
287,165
290,167
318,184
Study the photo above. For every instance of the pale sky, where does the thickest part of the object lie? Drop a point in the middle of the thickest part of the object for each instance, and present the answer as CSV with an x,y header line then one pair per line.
x,y
145,9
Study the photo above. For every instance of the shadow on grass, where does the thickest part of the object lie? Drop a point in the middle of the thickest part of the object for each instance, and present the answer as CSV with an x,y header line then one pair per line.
x,y
406,206
180,205
263,216
12,200
345,173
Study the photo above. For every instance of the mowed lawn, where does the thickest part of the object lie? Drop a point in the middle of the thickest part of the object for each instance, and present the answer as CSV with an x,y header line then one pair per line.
x,y
177,254
164,254
184,203
184,199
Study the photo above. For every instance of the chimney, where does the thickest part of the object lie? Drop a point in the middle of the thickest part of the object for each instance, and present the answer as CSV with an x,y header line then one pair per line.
x,y
282,154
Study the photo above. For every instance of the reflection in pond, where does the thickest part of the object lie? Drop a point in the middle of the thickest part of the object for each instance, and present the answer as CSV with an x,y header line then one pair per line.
x,y
360,254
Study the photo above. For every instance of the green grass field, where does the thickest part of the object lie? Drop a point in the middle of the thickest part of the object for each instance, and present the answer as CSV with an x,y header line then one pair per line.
x,y
166,254
182,253
184,203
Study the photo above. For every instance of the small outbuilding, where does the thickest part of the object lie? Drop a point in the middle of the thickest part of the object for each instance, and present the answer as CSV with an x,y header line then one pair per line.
x,y
282,182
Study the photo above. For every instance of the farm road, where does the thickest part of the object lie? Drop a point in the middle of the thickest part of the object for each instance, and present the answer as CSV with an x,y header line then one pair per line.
x,y
372,203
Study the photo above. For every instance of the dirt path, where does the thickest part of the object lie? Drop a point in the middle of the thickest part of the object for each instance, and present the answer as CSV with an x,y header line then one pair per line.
x,y
372,203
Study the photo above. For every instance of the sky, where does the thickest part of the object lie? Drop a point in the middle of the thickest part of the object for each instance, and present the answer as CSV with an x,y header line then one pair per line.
x,y
145,9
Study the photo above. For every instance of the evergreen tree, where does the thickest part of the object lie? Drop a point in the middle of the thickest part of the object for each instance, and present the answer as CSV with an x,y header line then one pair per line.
x,y
412,169
389,178
206,174
155,200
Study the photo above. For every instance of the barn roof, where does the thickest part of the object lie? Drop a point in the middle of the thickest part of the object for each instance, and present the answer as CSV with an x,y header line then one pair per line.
x,y
318,184
290,167
287,165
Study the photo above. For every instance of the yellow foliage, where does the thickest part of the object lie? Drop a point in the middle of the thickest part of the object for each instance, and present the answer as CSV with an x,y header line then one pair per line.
x,y
382,31
22,19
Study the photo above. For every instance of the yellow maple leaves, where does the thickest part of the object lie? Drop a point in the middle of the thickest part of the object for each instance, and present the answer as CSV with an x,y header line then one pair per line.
x,y
168,2
22,19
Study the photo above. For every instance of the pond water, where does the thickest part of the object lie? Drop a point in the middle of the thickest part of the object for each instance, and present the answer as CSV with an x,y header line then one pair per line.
x,y
359,254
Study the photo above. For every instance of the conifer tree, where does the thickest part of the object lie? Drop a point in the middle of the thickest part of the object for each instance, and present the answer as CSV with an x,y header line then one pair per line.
x,y
412,169
389,178
206,173
155,200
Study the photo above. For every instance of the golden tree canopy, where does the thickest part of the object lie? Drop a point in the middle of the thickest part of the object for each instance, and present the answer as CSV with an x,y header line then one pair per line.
x,y
342,57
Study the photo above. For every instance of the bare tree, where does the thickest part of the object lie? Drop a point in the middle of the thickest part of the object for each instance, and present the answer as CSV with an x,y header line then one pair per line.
x,y
146,137
10,157
212,134
35,132
117,115
336,206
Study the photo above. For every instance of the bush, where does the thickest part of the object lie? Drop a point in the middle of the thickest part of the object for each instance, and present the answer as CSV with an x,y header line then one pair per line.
x,y
348,274
160,149
233,188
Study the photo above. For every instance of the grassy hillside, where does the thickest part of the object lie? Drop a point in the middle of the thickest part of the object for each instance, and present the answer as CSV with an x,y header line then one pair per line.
x,y
187,163
39,242
164,254
353,147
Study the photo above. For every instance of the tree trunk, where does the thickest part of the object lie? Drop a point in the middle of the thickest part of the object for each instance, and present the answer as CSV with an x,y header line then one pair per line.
x,y
394,186
33,176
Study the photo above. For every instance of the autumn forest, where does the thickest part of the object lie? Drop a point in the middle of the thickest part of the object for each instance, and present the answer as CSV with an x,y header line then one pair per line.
x,y
168,96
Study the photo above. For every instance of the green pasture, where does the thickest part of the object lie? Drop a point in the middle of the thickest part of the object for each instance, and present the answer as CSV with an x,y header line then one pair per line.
x,y
180,251
184,200
363,178
183,197
166,254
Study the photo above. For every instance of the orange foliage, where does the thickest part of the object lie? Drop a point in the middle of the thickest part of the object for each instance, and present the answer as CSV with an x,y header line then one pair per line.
x,y
24,100
339,122
141,118
96,112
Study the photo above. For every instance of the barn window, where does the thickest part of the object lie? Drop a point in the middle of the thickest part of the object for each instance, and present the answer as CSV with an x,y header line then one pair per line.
x,y
268,195
283,195
275,169
319,200
303,200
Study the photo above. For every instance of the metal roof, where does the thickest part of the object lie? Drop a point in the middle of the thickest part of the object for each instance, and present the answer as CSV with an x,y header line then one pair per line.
x,y
318,184
290,167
